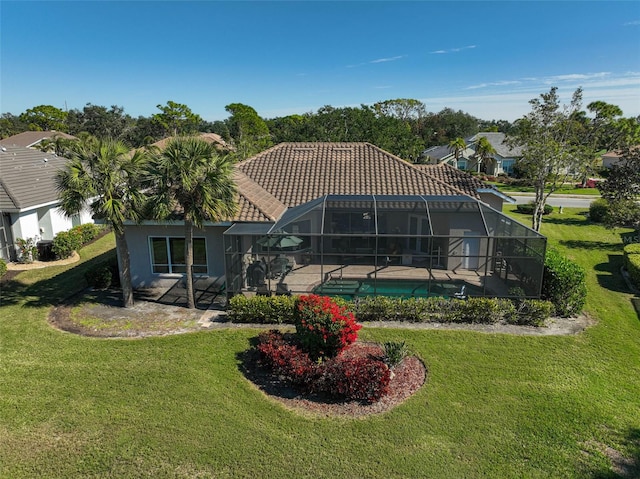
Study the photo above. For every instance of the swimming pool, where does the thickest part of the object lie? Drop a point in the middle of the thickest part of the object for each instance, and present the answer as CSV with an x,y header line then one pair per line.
x,y
351,288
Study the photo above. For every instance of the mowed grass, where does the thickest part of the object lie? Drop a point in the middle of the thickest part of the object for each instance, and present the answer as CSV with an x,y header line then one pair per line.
x,y
494,405
563,190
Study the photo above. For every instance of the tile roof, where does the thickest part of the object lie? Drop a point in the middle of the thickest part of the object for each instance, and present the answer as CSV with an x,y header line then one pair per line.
x,y
295,173
208,137
30,138
27,178
455,177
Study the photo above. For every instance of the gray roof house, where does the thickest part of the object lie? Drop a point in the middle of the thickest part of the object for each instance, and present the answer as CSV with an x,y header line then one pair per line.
x,y
28,198
350,218
502,161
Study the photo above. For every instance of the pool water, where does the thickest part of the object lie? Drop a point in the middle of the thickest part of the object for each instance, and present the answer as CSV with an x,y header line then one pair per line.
x,y
350,288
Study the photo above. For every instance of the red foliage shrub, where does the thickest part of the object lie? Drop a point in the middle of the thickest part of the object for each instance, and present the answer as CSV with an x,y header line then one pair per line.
x,y
345,376
322,327
286,359
364,379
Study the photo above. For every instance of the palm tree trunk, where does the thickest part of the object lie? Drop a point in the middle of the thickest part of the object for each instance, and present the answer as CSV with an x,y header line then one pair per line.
x,y
124,267
188,259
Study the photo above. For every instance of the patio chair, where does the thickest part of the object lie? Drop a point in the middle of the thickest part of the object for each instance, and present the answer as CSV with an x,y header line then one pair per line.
x,y
462,294
282,289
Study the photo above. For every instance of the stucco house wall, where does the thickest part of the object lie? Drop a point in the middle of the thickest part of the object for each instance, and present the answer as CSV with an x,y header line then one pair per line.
x,y
138,242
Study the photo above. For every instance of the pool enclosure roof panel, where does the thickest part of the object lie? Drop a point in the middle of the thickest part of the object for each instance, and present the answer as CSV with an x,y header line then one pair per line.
x,y
374,215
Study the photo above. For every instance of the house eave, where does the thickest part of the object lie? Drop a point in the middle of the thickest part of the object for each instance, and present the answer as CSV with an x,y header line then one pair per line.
x,y
497,193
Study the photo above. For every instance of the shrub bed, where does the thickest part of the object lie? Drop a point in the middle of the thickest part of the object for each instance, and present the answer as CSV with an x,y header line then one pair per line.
x,y
66,242
632,262
280,309
563,284
3,267
342,377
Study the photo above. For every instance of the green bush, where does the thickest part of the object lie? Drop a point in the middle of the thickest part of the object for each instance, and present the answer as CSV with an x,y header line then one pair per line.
x,y
262,309
632,262
65,243
3,267
99,276
527,209
88,232
598,210
563,284
531,312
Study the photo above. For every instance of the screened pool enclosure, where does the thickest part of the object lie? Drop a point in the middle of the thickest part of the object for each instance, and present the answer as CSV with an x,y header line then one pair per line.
x,y
351,246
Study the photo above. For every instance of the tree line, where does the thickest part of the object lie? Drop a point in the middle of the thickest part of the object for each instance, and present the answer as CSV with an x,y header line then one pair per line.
x,y
403,127
557,141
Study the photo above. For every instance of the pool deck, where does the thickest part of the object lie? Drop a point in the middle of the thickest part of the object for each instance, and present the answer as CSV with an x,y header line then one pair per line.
x,y
304,278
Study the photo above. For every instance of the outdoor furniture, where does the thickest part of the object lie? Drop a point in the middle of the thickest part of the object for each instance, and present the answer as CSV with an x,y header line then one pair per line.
x,y
282,289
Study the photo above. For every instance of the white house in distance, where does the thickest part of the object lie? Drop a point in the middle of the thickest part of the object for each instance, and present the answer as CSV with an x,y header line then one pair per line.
x,y
29,204
502,161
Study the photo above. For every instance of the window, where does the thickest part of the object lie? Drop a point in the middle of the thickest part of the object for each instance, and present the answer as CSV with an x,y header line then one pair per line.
x,y
167,255
507,166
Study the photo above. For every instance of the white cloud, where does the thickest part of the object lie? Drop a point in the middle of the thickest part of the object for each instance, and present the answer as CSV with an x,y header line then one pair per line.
x,y
452,50
632,23
377,60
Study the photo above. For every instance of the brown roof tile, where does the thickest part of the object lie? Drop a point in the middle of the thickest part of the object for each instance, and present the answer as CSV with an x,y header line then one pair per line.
x,y
295,173
30,138
208,137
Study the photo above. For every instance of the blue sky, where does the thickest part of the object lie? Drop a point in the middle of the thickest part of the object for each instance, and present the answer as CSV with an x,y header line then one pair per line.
x,y
485,58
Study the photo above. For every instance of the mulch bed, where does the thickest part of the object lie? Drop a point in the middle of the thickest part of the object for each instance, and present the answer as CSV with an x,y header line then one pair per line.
x,y
408,378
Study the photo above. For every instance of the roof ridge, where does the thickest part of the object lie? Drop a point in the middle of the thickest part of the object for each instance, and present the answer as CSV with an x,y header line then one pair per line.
x,y
248,194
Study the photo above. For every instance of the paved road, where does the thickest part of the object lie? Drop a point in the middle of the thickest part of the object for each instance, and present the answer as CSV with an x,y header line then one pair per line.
x,y
568,201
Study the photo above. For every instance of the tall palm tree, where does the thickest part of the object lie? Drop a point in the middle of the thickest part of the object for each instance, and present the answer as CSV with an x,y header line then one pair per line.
x,y
484,151
189,174
106,177
457,145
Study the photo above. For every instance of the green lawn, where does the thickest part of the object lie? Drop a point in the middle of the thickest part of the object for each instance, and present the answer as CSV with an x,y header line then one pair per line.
x,y
565,190
494,405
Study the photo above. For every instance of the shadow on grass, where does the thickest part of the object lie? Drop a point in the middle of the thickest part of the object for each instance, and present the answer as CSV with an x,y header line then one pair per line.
x,y
622,465
52,291
613,280
571,221
591,245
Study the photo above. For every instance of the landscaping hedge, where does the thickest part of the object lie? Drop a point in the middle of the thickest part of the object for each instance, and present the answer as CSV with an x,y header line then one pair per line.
x,y
527,209
3,267
563,284
66,242
280,309
632,262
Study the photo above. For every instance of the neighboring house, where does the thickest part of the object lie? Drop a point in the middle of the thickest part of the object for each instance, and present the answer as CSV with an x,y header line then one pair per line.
x,y
28,198
502,162
214,138
29,139
468,183
310,212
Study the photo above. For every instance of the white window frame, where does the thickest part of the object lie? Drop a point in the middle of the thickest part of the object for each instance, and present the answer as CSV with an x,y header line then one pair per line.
x,y
170,266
